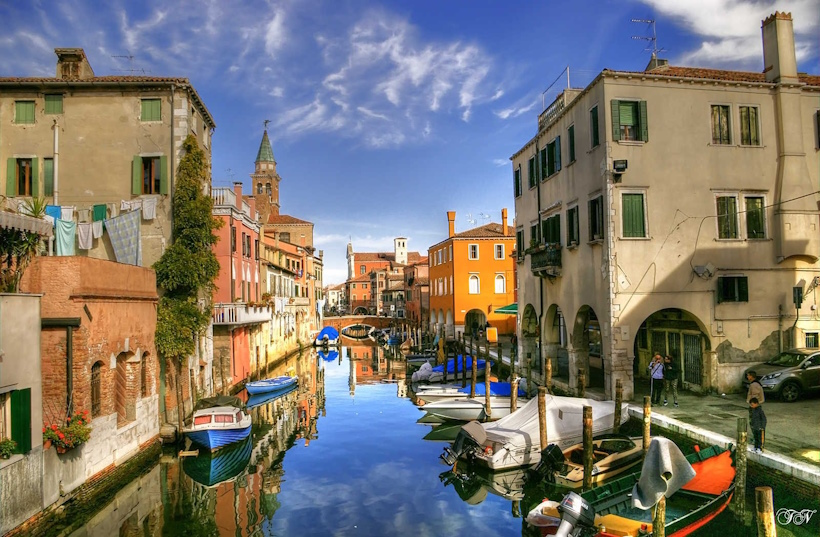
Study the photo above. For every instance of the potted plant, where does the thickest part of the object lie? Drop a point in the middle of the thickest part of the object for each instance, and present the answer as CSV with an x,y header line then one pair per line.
x,y
7,447
75,432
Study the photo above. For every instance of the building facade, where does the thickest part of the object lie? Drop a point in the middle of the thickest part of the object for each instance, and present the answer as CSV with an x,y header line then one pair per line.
x,y
417,293
671,210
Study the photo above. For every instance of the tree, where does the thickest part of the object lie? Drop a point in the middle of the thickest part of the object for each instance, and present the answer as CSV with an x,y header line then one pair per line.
x,y
187,270
18,248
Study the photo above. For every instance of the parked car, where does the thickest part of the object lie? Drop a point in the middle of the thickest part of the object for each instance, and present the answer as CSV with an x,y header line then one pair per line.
x,y
789,374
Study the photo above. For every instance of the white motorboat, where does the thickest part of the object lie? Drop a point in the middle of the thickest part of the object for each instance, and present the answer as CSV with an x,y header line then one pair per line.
x,y
442,393
467,409
515,439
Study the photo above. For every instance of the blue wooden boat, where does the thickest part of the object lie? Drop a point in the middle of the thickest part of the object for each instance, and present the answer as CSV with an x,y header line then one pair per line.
x,y
266,397
327,337
328,356
214,467
276,384
218,422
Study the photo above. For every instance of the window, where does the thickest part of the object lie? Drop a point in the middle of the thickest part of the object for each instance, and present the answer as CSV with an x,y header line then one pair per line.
x,y
817,129
572,226
54,104
364,286
268,189
720,124
535,237
362,269
531,172
596,218
353,285
629,121
551,229
594,136
519,242
475,287
472,251
96,392
284,236
543,162
5,415
258,188
244,246
233,238
500,284
732,289
256,249
22,177
517,181
450,250
634,217
24,112
499,251
149,175
727,217
749,129
151,110
812,341
553,150
48,176
755,217
571,142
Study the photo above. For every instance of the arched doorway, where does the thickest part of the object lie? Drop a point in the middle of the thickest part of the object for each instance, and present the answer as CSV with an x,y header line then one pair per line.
x,y
529,338
586,342
474,323
555,341
679,334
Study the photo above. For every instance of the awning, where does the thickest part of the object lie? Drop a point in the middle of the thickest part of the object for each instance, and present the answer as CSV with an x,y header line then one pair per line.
x,y
511,309
22,222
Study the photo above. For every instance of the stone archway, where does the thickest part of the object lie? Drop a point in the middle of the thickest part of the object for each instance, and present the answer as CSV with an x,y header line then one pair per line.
x,y
555,342
530,333
474,322
587,348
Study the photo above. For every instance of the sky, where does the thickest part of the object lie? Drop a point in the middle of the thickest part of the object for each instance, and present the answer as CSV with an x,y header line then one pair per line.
x,y
384,115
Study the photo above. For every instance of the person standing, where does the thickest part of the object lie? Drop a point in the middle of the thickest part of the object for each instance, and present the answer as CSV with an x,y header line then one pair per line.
x,y
755,389
656,378
757,419
670,380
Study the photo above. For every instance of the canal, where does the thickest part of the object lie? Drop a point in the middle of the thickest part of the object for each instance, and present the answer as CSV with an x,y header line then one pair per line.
x,y
341,455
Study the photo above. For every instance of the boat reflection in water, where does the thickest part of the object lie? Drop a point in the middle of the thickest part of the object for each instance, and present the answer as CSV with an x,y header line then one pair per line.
x,y
473,483
210,468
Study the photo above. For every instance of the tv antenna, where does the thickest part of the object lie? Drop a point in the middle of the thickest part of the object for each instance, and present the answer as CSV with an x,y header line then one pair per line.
x,y
130,58
653,40
231,174
470,218
484,216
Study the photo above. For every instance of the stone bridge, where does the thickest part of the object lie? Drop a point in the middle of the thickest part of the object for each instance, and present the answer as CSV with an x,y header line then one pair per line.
x,y
359,325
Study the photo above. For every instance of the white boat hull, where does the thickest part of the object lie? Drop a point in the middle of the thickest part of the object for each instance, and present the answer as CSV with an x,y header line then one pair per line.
x,y
466,409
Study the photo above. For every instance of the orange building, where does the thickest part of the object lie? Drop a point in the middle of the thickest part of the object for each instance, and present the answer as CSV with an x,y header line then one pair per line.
x,y
472,275
376,266
417,293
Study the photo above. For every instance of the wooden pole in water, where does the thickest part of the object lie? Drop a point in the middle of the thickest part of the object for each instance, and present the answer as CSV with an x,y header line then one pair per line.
x,y
529,372
487,408
582,380
659,520
464,370
764,504
548,378
647,420
588,447
739,498
475,374
619,396
514,395
542,415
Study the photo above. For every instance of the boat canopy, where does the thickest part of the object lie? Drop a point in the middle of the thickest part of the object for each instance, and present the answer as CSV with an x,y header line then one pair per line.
x,y
329,332
219,400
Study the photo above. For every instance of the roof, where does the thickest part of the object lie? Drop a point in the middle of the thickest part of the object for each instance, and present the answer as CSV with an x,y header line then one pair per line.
x,y
412,257
287,219
360,278
487,231
265,153
721,75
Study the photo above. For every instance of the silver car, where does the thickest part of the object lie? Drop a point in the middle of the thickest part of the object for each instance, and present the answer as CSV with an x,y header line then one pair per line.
x,y
789,374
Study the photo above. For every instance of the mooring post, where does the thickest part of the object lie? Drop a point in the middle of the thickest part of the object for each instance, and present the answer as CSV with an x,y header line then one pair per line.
x,y
542,415
464,370
548,375
516,508
529,372
647,420
582,380
659,520
739,498
587,447
474,376
764,504
487,409
514,395
619,396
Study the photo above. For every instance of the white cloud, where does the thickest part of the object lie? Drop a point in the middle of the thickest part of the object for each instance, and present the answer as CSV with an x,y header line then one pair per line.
x,y
275,32
516,110
501,162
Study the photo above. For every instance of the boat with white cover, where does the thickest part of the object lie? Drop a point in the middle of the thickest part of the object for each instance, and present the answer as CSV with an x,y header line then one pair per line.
x,y
467,409
440,393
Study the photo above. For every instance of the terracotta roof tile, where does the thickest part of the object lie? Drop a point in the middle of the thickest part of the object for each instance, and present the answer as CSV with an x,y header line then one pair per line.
x,y
713,74
286,219
386,257
487,231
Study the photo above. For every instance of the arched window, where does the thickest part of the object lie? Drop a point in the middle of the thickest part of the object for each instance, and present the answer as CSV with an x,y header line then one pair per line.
x,y
258,188
96,392
500,284
268,188
475,287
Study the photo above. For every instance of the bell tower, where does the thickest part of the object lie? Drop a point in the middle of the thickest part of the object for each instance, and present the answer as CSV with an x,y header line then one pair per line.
x,y
265,180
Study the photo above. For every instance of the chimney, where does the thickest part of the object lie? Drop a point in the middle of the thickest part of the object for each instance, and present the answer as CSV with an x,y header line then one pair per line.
x,y
504,221
451,221
237,191
252,203
72,64
779,62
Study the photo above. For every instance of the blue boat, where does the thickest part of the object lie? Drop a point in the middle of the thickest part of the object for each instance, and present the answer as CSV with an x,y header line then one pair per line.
x,y
218,422
214,467
436,374
328,356
266,397
276,384
328,336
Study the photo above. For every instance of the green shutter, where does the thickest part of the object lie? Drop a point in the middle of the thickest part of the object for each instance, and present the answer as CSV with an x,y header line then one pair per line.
x,y
54,104
571,133
633,215
21,419
644,122
557,153
11,187
626,113
48,177
136,176
616,120
35,183
24,112
742,289
163,178
594,126
720,284
545,171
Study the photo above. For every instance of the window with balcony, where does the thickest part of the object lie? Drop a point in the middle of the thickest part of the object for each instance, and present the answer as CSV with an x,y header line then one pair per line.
x,y
629,121
519,242
551,229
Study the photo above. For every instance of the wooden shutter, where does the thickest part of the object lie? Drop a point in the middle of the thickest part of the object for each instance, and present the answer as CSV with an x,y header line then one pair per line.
x,y
21,419
742,289
557,153
571,134
48,177
720,284
644,122
545,167
35,182
136,176
594,126
616,120
817,126
11,169
164,174
633,215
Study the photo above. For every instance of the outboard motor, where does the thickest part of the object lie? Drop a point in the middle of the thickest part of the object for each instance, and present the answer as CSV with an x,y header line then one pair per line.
x,y
469,438
552,459
577,516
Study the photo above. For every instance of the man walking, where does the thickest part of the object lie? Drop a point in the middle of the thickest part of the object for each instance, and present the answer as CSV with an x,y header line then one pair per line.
x,y
656,378
670,380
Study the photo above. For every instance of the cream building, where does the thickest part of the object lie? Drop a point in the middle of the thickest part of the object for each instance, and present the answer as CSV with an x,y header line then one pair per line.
x,y
673,210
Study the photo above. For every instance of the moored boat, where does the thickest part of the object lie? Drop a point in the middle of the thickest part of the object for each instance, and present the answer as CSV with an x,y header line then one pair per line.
x,y
468,409
275,384
327,337
441,393
432,374
218,421
266,397
214,467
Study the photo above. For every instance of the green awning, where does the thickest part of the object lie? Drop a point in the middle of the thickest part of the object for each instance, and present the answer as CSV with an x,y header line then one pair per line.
x,y
512,309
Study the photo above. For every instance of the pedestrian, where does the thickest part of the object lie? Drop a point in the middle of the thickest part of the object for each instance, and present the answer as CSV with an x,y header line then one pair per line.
x,y
514,343
757,419
656,378
755,389
670,380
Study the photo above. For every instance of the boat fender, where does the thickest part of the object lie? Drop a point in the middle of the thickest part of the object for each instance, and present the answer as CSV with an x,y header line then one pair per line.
x,y
488,451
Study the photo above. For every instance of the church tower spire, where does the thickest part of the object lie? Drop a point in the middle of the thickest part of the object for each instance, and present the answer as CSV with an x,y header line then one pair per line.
x,y
265,179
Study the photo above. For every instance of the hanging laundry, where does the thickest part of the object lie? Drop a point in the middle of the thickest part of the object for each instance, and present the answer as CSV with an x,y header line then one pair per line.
x,y
124,232
65,237
67,213
99,212
113,210
54,211
130,205
149,208
84,215
97,229
50,219
84,237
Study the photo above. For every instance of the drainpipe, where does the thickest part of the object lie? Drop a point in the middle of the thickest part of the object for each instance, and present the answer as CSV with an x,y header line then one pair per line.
x,y
56,161
69,323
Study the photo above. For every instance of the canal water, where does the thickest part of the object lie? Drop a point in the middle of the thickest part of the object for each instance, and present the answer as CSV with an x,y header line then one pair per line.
x,y
341,455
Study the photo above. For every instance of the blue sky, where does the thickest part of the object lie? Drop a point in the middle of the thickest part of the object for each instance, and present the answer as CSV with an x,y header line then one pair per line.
x,y
386,114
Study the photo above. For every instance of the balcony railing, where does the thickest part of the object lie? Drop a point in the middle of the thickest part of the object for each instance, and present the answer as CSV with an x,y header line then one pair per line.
x,y
546,261
223,196
240,313
299,301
